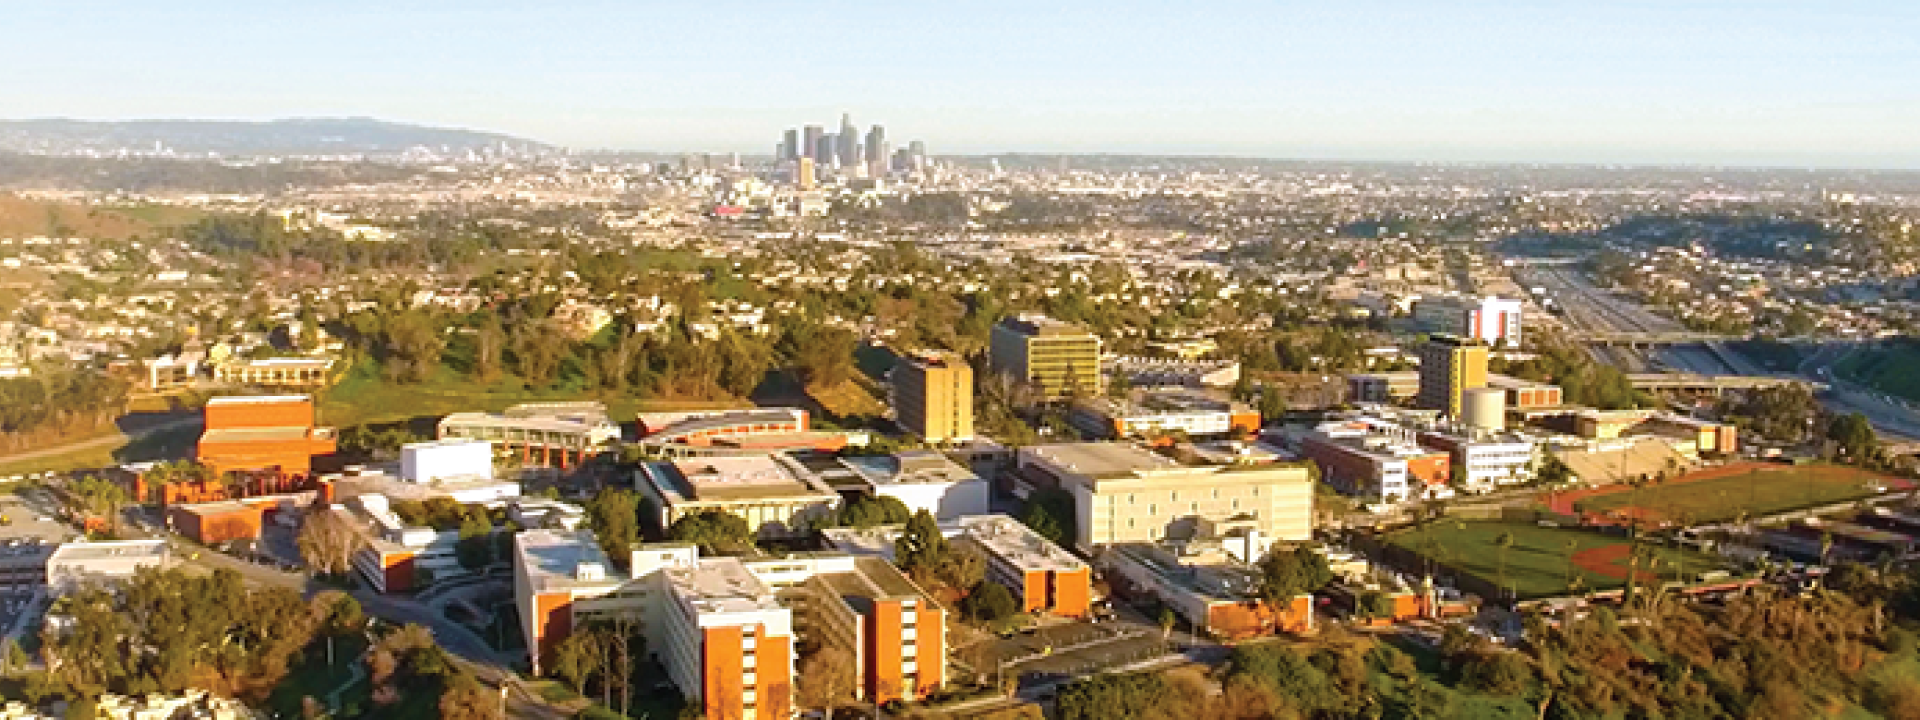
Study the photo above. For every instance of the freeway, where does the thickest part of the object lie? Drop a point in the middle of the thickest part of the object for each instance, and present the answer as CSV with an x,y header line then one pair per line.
x,y
1890,416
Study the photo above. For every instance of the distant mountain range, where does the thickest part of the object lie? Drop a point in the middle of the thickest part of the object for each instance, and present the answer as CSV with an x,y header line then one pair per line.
x,y
237,138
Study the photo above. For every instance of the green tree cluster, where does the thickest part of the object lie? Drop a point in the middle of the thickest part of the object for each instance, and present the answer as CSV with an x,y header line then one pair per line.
x,y
717,532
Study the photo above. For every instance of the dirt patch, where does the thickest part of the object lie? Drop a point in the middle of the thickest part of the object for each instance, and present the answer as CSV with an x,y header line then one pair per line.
x,y
1609,561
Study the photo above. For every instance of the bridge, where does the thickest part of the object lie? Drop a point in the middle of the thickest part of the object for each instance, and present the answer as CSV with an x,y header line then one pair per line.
x,y
1653,339
1714,384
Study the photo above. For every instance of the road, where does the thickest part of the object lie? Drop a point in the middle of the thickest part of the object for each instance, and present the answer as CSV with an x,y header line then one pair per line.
x,y
1891,417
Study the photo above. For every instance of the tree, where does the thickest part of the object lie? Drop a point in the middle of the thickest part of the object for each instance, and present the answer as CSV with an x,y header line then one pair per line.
x,y
1854,436
614,517
1286,574
327,541
475,548
827,678
1167,621
866,512
103,498
1505,542
1050,512
717,532
920,546
990,602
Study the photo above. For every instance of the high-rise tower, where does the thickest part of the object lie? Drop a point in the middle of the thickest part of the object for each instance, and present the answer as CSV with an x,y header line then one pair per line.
x,y
849,145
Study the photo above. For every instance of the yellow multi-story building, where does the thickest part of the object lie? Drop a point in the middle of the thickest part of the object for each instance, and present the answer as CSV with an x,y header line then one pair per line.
x,y
1059,358
933,396
1450,366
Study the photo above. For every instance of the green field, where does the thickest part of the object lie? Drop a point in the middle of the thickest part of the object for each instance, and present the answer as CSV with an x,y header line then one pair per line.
x,y
172,444
1756,491
363,396
1538,564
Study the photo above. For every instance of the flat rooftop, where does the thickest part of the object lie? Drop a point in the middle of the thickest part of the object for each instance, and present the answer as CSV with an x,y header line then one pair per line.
x,y
87,551
257,399
872,578
551,558
912,467
1218,582
254,434
1017,544
1042,325
750,477
1101,460
721,585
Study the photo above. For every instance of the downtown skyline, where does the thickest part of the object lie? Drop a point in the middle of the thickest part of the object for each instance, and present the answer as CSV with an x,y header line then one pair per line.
x,y
1686,84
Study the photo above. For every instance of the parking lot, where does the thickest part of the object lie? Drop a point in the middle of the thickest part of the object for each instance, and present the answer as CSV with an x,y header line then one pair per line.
x,y
1048,653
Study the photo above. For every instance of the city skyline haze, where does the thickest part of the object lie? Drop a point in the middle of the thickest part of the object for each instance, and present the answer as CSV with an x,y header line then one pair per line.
x,y
1760,83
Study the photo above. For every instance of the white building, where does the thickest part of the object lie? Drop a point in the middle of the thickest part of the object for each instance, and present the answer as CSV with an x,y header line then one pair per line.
x,y
451,458
77,563
923,480
1487,319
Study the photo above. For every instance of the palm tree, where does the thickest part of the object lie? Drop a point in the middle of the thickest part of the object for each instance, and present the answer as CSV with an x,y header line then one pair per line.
x,y
1571,545
1505,542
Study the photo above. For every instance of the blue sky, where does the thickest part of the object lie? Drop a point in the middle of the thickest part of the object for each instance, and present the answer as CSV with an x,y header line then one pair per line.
x,y
1754,82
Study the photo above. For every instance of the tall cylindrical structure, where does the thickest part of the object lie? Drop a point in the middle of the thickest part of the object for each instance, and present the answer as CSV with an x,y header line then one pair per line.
x,y
1484,408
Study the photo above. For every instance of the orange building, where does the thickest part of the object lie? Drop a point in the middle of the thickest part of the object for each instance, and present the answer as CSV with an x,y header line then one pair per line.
x,y
270,433
1043,576
213,523
1211,592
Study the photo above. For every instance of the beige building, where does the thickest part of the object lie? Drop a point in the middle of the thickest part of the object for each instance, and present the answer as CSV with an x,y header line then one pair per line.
x,y
1449,367
933,396
1127,494
1056,356
777,495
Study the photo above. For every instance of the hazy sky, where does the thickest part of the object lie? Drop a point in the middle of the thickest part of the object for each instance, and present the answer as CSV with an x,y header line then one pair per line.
x,y
1750,82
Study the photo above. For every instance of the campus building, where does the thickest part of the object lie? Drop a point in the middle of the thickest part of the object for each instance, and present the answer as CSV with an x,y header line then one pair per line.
x,y
754,431
1058,358
1489,320
78,563
1041,575
276,372
933,396
559,434
1151,372
1378,461
1216,594
1150,413
1124,493
776,494
922,480
725,629
268,434
1450,365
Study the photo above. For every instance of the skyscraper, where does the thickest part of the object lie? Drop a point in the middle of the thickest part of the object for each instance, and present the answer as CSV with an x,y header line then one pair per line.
x,y
849,145
823,152
791,151
877,149
805,173
1450,365
810,137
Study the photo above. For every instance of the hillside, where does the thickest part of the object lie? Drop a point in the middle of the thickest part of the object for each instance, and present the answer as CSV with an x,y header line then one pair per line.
x,y
231,138
27,217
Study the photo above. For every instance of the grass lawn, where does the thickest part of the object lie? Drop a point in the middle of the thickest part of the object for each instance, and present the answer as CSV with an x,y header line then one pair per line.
x,y
170,444
1757,492
313,677
1540,563
364,396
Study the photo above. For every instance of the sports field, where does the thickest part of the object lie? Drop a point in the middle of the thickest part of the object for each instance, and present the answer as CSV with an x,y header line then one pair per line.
x,y
1725,493
1543,561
